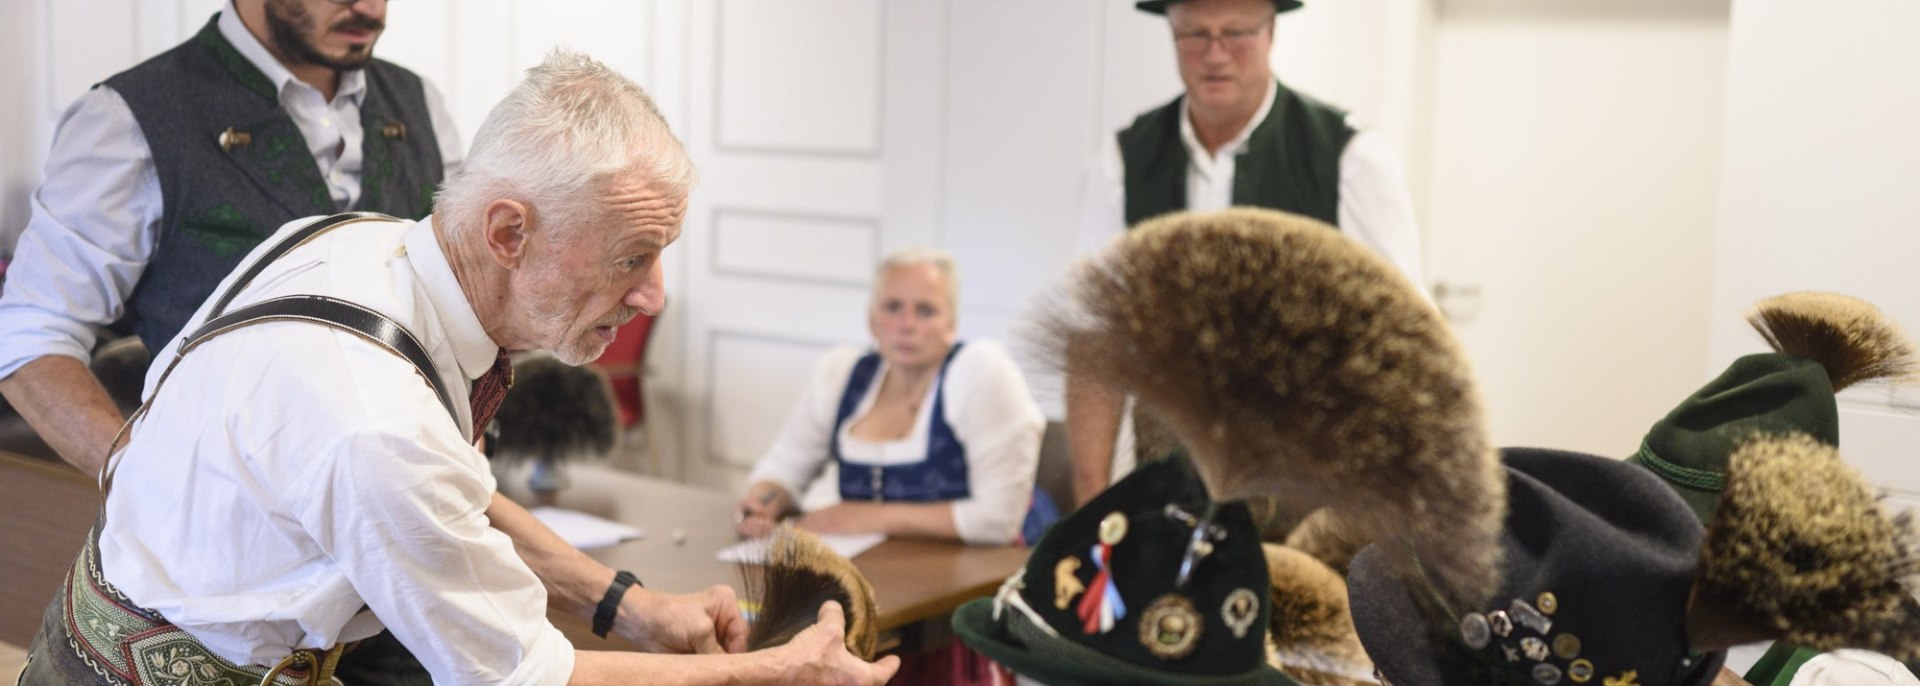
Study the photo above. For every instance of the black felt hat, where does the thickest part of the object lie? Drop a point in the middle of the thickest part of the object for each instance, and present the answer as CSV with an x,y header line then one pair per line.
x,y
1599,558
1160,6
1046,621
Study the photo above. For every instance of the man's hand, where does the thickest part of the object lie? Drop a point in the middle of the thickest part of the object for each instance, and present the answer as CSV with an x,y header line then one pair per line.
x,y
819,655
704,622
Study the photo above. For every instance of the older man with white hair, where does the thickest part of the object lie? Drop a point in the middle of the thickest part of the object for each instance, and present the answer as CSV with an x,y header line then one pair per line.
x,y
304,474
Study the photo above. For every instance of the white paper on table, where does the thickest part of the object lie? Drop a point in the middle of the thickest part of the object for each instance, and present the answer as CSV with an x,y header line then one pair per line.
x,y
583,530
754,552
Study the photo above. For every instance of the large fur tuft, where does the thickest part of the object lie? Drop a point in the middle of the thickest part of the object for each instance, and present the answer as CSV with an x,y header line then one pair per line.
x,y
1312,636
1801,548
1328,536
556,412
800,575
1848,336
1293,362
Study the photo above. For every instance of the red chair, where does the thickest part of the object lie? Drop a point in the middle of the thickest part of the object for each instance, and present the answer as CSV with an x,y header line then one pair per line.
x,y
625,362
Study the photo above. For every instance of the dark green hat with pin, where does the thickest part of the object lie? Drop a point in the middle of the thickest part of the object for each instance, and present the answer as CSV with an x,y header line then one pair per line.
x,y
1160,6
1101,599
1823,343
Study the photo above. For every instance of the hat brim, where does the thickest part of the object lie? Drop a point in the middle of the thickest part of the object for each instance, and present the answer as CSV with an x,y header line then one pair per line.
x,y
976,626
1160,6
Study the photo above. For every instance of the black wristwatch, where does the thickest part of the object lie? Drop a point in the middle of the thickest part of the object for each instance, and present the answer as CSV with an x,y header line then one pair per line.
x,y
610,604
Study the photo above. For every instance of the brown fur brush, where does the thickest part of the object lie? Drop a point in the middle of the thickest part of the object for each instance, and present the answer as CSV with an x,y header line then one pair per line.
x,y
1802,550
1847,336
1327,537
1312,637
800,575
1295,363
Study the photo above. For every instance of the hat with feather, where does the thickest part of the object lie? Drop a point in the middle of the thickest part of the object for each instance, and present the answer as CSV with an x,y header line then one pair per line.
x,y
1608,577
1150,582
1296,365
1822,344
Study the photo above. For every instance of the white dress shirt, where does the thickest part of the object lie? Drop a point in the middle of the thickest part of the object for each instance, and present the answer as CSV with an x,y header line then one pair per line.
x,y
96,216
1848,667
987,405
289,474
1375,207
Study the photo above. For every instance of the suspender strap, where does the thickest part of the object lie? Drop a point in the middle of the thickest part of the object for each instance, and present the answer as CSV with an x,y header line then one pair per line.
x,y
339,314
318,309
286,245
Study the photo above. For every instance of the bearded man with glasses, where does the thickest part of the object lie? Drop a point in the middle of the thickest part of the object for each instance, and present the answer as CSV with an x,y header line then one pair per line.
x,y
1236,137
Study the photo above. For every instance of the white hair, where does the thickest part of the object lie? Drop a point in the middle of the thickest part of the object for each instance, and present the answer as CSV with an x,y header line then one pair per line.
x,y
907,257
570,128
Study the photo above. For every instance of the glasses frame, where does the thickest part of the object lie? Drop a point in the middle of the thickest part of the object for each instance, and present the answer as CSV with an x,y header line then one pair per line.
x,y
1236,42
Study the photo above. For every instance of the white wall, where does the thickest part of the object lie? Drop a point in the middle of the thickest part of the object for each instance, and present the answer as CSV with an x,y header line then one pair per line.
x,y
1819,176
1575,164
1566,157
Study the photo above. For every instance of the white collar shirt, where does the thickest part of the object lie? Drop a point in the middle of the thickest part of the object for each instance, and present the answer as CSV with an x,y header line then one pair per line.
x,y
332,127
1210,175
288,475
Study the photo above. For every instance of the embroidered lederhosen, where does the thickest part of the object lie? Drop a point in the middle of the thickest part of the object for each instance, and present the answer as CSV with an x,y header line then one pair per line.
x,y
93,635
942,476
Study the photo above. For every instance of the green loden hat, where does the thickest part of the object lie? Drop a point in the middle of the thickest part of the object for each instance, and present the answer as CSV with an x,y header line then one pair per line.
x,y
1822,343
1160,6
1768,393
1046,621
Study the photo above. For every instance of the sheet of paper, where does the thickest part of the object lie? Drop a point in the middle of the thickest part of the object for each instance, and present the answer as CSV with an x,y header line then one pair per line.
x,y
583,530
753,552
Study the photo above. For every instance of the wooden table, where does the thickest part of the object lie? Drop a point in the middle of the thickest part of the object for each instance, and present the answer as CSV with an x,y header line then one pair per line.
x,y
913,581
45,510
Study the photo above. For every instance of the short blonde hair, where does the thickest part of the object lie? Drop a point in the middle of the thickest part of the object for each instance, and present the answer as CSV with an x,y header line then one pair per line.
x,y
908,257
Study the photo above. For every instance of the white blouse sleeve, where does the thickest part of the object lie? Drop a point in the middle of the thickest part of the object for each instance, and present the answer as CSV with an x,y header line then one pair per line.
x,y
994,416
804,445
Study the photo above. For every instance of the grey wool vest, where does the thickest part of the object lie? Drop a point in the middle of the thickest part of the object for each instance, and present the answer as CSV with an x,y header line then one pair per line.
x,y
1292,161
218,203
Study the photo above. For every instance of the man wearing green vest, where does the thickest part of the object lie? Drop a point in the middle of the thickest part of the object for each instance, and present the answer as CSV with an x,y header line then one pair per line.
x,y
1236,137
163,176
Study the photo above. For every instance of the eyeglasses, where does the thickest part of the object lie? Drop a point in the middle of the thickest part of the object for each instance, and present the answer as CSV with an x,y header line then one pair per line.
x,y
349,2
1234,41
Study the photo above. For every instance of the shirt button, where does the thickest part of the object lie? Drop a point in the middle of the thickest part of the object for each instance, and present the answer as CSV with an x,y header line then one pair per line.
x,y
326,122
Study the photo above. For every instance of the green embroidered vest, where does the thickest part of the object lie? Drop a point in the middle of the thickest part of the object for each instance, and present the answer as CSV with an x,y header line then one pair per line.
x,y
219,203
1292,161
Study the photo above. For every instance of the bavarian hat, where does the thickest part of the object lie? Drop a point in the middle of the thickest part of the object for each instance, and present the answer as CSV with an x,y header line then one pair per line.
x,y
1100,600
1823,343
1608,576
1160,6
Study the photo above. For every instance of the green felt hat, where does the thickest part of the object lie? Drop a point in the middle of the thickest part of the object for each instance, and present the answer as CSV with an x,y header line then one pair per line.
x,y
1822,343
1212,630
1769,393
1160,6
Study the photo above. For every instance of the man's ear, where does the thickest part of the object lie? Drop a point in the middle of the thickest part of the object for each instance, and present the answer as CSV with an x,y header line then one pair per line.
x,y
505,224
